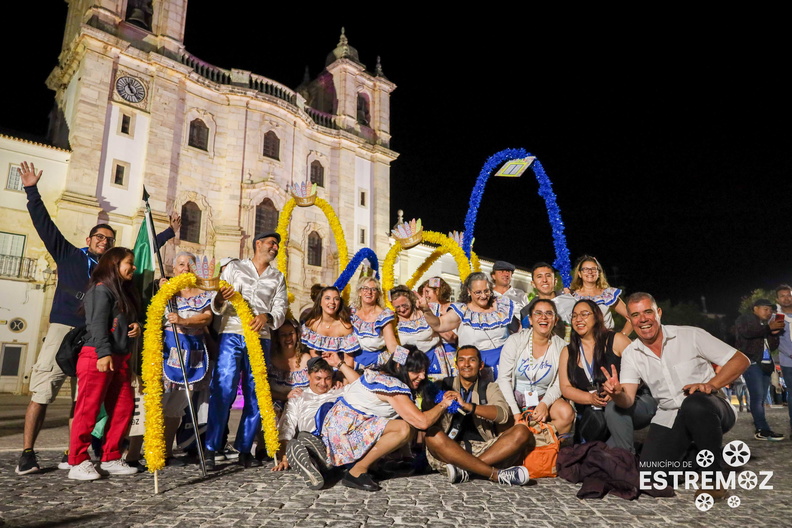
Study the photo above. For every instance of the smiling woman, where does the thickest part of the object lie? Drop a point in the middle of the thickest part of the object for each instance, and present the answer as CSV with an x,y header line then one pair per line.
x,y
329,328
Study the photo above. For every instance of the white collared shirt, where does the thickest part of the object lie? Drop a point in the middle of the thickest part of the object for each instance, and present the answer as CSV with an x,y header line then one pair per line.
x,y
265,293
300,412
687,357
515,295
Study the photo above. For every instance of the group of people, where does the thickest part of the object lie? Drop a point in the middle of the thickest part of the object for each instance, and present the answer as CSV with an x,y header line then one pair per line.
x,y
356,386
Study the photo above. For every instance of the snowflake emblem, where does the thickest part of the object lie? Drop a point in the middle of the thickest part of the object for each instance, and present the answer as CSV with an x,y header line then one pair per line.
x,y
747,480
704,502
705,458
736,453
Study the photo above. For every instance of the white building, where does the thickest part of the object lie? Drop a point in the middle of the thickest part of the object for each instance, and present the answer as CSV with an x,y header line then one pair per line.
x,y
218,145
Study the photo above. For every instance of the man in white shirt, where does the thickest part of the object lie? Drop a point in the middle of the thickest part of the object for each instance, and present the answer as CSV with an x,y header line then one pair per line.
x,y
501,277
264,289
301,445
675,362
543,279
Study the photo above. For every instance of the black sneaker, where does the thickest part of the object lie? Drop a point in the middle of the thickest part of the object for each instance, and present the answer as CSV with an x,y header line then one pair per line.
x,y
209,459
299,457
28,463
767,434
363,482
247,460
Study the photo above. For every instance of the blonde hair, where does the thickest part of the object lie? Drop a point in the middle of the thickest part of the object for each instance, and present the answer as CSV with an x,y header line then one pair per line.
x,y
577,280
356,302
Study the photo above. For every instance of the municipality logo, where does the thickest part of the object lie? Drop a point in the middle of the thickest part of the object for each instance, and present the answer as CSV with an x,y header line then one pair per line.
x,y
682,475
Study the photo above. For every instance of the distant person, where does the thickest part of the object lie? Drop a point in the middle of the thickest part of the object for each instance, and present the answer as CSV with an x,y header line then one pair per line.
x,y
502,273
436,290
784,300
74,266
589,282
676,362
757,334
315,289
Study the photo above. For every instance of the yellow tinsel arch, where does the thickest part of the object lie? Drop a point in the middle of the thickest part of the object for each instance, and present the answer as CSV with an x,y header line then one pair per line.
x,y
445,245
431,259
154,436
335,226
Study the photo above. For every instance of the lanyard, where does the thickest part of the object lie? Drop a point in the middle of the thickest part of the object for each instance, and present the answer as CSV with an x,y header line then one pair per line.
x,y
589,370
532,367
91,261
467,395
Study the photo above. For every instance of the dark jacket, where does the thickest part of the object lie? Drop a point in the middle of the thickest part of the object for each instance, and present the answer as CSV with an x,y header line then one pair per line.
x,y
106,326
751,333
74,264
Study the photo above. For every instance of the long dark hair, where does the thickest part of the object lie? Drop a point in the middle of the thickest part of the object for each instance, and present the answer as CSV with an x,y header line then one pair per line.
x,y
417,361
124,291
276,346
601,334
316,312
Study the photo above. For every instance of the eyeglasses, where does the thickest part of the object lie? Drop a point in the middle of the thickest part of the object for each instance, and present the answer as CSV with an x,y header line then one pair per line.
x,y
539,313
589,270
398,307
368,289
101,238
581,315
481,293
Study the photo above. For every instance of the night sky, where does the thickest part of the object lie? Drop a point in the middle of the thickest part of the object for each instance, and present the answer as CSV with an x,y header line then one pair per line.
x,y
667,138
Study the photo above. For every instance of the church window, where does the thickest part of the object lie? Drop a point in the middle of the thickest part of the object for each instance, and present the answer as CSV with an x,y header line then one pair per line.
x,y
191,223
363,113
314,249
266,217
317,173
271,145
199,135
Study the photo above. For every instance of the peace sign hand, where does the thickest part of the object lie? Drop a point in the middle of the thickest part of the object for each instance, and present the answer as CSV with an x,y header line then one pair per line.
x,y
611,387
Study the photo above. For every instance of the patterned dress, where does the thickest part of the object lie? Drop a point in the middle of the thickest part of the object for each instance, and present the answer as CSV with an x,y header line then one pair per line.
x,y
487,331
418,333
285,380
372,341
609,297
321,343
191,339
357,419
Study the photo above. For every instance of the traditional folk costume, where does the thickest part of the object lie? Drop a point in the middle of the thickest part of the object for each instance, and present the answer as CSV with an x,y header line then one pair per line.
x,y
487,331
265,294
418,333
372,341
609,297
359,417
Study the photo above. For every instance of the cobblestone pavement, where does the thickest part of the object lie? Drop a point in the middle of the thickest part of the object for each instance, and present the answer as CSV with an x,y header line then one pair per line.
x,y
259,497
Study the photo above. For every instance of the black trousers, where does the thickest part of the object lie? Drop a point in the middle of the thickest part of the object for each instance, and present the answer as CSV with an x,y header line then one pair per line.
x,y
702,419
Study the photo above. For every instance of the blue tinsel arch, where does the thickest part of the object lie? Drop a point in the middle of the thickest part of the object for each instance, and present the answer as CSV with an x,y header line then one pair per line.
x,y
562,261
349,271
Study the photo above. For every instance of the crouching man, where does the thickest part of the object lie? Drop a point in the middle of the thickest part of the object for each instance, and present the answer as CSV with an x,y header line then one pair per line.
x,y
301,448
463,444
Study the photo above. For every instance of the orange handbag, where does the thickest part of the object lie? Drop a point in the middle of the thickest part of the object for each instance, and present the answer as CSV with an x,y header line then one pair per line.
x,y
542,458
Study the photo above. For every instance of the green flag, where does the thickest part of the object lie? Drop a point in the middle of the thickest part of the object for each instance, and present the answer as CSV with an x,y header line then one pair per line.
x,y
144,262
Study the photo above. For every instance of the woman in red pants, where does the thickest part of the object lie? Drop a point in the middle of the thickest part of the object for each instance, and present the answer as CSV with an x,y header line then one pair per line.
x,y
112,307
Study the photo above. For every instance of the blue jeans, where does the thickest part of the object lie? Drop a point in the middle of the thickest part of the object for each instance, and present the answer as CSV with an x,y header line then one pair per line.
x,y
786,372
757,382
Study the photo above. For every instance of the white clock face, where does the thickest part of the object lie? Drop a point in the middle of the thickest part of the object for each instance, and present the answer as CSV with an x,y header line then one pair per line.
x,y
130,89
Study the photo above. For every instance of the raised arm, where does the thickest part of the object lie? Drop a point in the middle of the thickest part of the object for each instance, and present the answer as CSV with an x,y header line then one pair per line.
x,y
447,321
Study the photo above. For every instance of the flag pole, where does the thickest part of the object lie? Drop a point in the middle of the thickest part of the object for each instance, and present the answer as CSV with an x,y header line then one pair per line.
x,y
172,308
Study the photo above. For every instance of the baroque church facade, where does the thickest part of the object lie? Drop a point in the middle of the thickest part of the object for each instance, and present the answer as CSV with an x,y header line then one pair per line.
x,y
219,146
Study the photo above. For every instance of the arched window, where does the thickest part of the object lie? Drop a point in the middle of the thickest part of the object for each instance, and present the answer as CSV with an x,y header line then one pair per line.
x,y
199,135
317,173
191,223
314,249
363,114
266,217
271,145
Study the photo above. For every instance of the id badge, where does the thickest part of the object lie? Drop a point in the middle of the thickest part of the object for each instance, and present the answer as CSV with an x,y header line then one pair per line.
x,y
531,399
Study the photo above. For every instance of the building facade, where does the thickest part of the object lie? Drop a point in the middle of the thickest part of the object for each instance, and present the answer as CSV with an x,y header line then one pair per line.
x,y
219,146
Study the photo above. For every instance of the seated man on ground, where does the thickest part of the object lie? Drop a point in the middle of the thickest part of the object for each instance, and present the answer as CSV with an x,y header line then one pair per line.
x,y
675,362
297,425
462,444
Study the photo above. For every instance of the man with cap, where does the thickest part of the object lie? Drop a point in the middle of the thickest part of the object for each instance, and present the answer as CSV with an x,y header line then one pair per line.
x,y
264,289
757,334
501,277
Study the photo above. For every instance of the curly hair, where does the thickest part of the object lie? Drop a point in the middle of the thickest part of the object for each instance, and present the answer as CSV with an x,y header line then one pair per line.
x,y
443,291
464,294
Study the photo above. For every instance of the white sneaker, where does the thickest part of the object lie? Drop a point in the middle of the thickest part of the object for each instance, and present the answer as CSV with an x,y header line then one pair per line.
x,y
117,467
64,463
84,471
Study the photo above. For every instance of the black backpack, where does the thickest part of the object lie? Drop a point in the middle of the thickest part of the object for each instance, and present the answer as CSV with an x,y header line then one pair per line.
x,y
69,350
